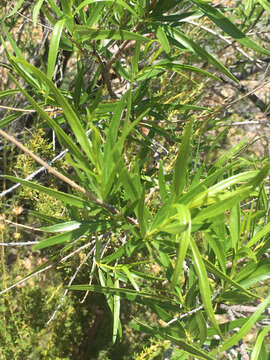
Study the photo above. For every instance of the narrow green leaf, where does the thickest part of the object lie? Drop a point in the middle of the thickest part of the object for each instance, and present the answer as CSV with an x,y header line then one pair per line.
x,y
163,6
253,273
8,119
259,235
141,297
222,275
222,204
235,225
229,154
265,4
103,282
162,183
162,38
16,8
184,218
202,187
210,195
36,10
179,37
64,226
132,192
63,137
45,218
218,247
11,41
149,72
68,199
181,67
202,326
260,177
258,344
67,7
5,93
54,45
70,114
248,6
228,27
131,278
135,59
203,283
86,33
25,74
181,165
166,220
110,143
61,238
119,2
55,8
244,329
116,311
141,212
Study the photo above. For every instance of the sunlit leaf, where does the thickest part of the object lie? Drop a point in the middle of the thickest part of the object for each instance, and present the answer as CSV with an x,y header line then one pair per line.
x,y
54,45
227,26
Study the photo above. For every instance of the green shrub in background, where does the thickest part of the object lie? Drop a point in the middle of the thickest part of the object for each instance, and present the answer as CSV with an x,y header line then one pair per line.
x,y
147,221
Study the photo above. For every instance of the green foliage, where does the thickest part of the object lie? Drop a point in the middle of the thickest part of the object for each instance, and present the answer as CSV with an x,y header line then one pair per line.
x,y
171,240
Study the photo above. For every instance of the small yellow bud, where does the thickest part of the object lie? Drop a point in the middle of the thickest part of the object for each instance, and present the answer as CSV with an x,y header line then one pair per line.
x,y
16,235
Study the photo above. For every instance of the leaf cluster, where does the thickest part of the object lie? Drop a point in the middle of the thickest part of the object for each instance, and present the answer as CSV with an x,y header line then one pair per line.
x,y
163,228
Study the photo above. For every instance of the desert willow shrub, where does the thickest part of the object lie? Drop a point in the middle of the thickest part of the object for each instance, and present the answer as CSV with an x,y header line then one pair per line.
x,y
177,240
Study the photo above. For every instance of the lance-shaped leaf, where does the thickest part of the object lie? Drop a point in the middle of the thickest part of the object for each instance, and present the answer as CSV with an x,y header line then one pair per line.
x,y
69,113
184,218
62,238
244,329
181,165
203,283
265,4
54,45
36,10
66,198
116,312
180,40
228,27
118,2
129,294
162,37
86,33
255,355
253,273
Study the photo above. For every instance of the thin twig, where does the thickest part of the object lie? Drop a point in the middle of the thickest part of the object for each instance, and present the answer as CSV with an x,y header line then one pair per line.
x,y
242,123
30,20
23,226
34,174
76,251
247,94
69,284
191,312
16,109
27,278
93,268
27,243
22,281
